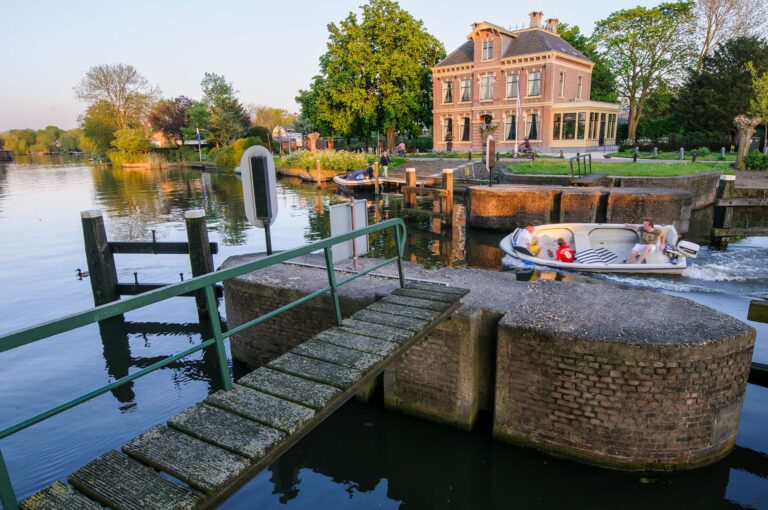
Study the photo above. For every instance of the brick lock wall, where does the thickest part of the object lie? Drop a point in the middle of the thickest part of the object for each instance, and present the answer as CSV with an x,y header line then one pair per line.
x,y
637,407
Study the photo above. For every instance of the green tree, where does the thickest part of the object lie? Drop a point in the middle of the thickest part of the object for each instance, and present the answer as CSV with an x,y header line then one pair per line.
x,y
46,140
756,113
130,140
375,74
170,116
227,116
199,118
123,88
69,141
20,140
721,88
269,116
644,46
99,123
603,80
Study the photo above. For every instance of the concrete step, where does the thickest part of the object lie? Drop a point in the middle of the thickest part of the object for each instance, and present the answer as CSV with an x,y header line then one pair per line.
x,y
589,179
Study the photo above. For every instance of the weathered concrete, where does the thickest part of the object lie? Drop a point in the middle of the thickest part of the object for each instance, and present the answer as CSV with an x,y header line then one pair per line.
x,y
58,496
642,381
506,207
452,374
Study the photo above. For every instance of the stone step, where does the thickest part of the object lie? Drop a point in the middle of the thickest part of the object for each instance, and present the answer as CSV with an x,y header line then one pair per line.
x,y
289,387
121,483
344,338
58,496
403,311
316,370
227,430
376,330
457,292
203,466
425,294
426,304
356,360
394,321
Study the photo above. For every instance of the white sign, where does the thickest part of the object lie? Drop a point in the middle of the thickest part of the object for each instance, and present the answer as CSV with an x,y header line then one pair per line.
x,y
257,168
342,216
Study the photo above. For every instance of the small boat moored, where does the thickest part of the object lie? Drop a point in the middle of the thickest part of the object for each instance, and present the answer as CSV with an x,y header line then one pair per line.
x,y
360,181
603,248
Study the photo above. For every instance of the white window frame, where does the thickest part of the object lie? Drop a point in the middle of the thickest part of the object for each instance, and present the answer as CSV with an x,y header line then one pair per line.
x,y
487,50
468,87
446,121
562,83
508,121
468,122
579,86
530,84
512,80
448,84
486,87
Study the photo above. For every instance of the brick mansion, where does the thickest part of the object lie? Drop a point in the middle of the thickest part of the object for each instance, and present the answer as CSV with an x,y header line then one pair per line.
x,y
528,83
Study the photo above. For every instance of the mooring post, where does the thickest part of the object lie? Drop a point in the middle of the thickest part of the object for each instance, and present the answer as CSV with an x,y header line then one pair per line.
x,y
410,182
446,206
200,257
318,173
101,261
723,214
376,189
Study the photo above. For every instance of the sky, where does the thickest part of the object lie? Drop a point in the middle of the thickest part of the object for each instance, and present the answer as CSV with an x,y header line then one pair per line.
x,y
269,50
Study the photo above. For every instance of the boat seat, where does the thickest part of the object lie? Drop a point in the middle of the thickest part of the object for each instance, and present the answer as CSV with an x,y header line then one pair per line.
x,y
596,256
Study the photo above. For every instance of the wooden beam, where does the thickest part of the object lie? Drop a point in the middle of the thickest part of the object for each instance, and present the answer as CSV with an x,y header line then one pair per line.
x,y
742,202
758,311
412,211
425,191
132,289
758,374
739,232
150,248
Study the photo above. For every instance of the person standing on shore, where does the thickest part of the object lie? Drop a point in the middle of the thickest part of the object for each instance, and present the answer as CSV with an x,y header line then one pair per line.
x,y
384,163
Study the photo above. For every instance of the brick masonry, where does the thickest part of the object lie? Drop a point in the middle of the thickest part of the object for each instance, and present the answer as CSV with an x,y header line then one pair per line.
x,y
634,406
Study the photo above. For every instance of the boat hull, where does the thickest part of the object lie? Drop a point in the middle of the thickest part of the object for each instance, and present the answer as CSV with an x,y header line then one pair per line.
x,y
354,186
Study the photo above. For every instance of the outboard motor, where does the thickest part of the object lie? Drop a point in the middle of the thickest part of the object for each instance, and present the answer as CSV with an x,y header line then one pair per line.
x,y
687,249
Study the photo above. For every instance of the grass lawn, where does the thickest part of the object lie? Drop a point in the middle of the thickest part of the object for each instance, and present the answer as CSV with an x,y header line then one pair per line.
x,y
624,168
712,156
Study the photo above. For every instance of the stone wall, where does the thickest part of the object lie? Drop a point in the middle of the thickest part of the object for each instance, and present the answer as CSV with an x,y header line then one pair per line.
x,y
508,206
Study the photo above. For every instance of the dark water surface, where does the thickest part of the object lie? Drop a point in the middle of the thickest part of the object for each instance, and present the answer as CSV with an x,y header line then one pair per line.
x,y
361,457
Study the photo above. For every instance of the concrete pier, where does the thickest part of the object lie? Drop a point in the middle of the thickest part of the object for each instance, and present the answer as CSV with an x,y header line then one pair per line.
x,y
671,374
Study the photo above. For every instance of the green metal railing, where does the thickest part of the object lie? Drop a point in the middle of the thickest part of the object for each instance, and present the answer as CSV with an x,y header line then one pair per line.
x,y
582,161
207,283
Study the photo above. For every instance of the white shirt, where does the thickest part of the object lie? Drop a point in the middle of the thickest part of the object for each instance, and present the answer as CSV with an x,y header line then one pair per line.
x,y
523,238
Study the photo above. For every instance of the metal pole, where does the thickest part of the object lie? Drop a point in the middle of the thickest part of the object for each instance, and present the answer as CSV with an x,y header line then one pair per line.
x,y
400,241
354,241
332,283
267,235
7,496
221,353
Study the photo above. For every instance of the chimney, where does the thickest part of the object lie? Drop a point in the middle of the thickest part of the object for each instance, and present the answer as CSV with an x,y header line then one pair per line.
x,y
536,17
552,25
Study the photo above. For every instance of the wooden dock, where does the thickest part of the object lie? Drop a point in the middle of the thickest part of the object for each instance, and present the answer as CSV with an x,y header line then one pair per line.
x,y
215,446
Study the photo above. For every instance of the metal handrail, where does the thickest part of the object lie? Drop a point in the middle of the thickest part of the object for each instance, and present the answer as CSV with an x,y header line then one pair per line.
x,y
207,283
587,164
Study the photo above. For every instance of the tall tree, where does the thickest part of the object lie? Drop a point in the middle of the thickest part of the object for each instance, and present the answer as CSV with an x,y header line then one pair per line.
x,y
270,117
20,140
711,97
644,46
755,115
719,21
99,123
170,116
227,117
123,88
603,80
375,74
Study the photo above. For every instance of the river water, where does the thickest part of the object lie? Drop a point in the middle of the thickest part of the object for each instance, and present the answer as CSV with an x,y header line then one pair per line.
x,y
361,457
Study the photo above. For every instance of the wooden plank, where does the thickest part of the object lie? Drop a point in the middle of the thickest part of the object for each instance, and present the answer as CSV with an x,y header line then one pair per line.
x,y
457,292
316,370
425,191
394,321
267,409
150,248
356,360
203,466
425,294
343,338
739,232
758,311
289,387
376,330
403,311
58,496
742,202
758,374
425,304
121,483
412,211
132,289
227,430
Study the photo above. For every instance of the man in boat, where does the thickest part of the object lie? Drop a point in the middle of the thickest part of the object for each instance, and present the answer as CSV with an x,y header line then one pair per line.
x,y
523,238
650,238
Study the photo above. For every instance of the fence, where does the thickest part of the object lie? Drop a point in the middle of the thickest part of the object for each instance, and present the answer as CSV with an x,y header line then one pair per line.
x,y
205,283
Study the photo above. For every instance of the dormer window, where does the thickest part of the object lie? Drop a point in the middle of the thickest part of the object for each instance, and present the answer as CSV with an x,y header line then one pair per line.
x,y
487,50
448,92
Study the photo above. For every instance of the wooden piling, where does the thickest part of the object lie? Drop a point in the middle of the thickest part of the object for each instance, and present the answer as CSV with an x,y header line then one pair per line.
x,y
723,214
410,181
101,261
318,173
200,257
446,202
376,188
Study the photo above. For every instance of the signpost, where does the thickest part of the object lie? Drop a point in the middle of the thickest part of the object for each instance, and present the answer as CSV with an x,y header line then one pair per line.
x,y
257,167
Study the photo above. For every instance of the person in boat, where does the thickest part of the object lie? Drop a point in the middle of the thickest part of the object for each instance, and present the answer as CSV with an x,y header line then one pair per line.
x,y
564,252
522,241
650,238
360,175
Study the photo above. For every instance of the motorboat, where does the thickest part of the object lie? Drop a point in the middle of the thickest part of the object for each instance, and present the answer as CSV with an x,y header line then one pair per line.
x,y
602,248
358,181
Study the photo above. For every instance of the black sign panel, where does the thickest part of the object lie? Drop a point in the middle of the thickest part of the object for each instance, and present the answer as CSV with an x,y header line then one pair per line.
x,y
261,186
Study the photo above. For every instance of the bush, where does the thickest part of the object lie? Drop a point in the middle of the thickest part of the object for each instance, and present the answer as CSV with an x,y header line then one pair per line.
x,y
341,161
227,158
756,160
703,151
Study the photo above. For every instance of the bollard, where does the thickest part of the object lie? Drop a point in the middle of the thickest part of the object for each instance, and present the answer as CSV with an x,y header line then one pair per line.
x,y
101,261
722,152
682,153
469,156
410,181
562,155
634,157
200,257
655,152
446,206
